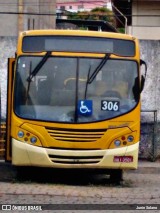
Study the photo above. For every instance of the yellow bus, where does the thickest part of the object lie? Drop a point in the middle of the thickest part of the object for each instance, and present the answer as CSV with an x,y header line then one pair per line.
x,y
74,100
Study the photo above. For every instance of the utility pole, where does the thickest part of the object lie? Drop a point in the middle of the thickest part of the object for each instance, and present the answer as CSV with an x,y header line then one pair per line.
x,y
20,15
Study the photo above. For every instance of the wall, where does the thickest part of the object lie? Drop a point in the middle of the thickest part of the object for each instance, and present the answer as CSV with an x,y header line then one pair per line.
x,y
11,24
150,52
145,20
38,21
8,48
47,22
8,23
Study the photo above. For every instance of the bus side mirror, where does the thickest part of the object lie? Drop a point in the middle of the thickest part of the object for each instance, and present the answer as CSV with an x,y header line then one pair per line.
x,y
142,83
143,77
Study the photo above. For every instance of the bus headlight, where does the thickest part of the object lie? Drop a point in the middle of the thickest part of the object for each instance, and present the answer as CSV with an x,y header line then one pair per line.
x,y
124,140
20,134
117,143
28,137
33,139
130,138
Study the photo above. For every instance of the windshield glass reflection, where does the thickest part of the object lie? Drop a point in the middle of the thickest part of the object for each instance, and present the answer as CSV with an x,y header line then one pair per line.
x,y
60,91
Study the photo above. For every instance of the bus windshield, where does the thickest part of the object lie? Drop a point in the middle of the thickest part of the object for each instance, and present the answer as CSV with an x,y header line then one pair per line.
x,y
61,92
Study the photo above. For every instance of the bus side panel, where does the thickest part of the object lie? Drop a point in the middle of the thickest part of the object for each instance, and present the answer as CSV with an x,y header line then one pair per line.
x,y
11,63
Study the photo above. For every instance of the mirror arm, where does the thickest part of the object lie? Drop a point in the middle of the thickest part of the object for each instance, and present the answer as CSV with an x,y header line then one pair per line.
x,y
144,63
143,77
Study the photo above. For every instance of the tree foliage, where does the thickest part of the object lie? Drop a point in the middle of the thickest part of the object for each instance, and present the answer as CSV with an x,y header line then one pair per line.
x,y
98,13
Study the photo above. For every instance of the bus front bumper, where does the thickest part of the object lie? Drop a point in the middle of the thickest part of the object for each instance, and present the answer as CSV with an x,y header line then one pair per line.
x,y
24,154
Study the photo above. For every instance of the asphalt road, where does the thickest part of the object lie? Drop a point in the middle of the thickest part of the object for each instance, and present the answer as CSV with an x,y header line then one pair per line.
x,y
80,192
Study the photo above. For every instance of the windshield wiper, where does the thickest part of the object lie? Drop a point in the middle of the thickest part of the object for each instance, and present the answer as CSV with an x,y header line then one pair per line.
x,y
96,71
86,87
98,68
39,66
29,82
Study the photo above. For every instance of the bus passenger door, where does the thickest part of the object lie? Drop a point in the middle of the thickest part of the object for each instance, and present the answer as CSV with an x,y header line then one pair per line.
x,y
8,146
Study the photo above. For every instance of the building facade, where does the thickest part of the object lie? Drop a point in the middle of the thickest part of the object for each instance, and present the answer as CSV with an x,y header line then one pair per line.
x,y
141,18
146,19
80,5
17,15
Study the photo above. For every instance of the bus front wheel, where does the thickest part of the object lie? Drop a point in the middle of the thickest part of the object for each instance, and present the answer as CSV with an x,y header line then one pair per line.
x,y
116,176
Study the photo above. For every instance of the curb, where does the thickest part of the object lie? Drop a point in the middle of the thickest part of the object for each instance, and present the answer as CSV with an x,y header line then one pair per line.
x,y
147,167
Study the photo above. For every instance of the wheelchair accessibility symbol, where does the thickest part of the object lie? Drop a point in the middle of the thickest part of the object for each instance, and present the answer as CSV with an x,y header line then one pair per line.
x,y
85,107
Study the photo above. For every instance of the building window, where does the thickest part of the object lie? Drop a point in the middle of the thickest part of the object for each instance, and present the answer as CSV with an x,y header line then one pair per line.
x,y
80,6
70,7
62,7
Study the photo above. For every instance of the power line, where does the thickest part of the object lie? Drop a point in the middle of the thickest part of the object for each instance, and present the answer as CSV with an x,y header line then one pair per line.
x,y
27,13
45,4
70,14
26,4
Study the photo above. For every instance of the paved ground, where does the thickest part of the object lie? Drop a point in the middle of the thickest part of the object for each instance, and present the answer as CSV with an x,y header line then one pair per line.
x,y
140,187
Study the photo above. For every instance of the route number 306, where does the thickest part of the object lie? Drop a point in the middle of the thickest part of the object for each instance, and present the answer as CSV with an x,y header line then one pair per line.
x,y
110,105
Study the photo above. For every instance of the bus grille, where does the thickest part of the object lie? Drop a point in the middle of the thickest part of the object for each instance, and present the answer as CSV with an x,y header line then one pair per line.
x,y
75,135
75,159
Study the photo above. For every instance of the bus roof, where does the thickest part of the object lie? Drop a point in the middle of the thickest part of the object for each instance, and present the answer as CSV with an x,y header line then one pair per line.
x,y
63,32
40,41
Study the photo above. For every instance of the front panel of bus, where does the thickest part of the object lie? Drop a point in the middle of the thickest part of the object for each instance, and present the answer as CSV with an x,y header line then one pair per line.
x,y
76,100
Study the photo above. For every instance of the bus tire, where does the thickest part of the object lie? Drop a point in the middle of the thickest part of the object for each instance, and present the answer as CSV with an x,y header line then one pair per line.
x,y
116,176
23,172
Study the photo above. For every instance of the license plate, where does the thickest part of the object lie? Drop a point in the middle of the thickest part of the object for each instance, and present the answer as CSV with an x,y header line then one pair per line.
x,y
123,159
